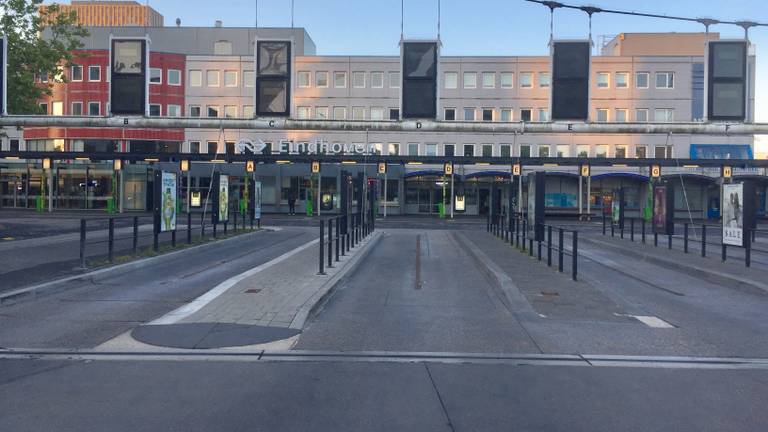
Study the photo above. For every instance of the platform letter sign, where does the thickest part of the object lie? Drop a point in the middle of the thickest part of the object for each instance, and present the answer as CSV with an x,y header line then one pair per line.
x,y
419,75
315,167
516,169
727,81
663,210
3,75
273,78
165,194
129,74
448,169
738,213
585,170
570,80
382,168
655,171
536,205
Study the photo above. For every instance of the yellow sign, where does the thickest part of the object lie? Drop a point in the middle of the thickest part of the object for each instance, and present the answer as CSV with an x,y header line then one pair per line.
x,y
585,170
117,164
727,172
382,168
460,205
46,163
184,165
315,167
249,166
195,199
516,168
655,171
448,169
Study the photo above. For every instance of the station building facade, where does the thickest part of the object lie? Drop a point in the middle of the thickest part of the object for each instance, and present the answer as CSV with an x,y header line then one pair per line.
x,y
209,72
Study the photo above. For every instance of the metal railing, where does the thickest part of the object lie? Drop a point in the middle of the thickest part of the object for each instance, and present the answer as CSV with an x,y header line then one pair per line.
x,y
138,234
345,232
516,233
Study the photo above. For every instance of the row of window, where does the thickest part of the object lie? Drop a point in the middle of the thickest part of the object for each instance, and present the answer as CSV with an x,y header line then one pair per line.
x,y
213,78
664,80
484,150
621,115
76,108
359,79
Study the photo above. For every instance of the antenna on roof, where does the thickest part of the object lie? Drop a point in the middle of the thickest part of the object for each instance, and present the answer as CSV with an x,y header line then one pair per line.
x,y
402,18
438,20
292,11
257,13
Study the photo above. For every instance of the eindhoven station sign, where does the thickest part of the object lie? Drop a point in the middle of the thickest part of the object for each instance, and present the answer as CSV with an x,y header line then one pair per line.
x,y
319,146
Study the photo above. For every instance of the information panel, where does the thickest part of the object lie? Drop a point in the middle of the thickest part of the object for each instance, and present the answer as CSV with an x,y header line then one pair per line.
x,y
727,80
617,208
570,80
663,210
419,75
165,195
739,216
128,78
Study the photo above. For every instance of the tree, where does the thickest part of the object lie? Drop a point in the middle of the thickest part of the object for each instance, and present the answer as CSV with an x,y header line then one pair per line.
x,y
40,40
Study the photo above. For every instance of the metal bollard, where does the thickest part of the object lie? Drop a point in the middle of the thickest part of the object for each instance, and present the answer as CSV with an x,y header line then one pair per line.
x,y
670,241
156,239
685,237
704,241
330,243
214,229
575,256
226,223
632,230
488,223
656,239
338,231
642,224
549,245
560,250
748,252
82,243
724,252
135,234
235,215
111,241
621,230
530,246
603,222
321,255
539,242
189,227
613,229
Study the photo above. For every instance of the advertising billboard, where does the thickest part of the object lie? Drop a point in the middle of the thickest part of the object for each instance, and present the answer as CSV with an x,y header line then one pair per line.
x,y
257,200
168,193
223,198
663,210
617,208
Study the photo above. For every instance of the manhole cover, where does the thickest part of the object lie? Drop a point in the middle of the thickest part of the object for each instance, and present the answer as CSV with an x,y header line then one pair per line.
x,y
253,291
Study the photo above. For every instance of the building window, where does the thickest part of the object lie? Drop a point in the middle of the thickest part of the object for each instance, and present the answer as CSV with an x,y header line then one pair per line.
x,y
321,79
174,110
506,114
641,115
249,78
213,111
449,114
469,150
621,115
174,77
563,150
394,80
155,76
248,111
94,73
57,108
526,80
321,113
212,77
302,78
543,114
430,149
641,80
622,80
582,150
194,111
543,151
377,79
222,48
43,108
525,150
394,114
43,77
487,114
77,73
487,150
230,111
603,80
393,149
470,80
358,79
358,113
601,151
544,79
339,113
449,149
230,79
195,78
303,112
213,147
469,114
377,113
489,80
155,110
505,150
194,146
664,115
340,79
621,152
662,152
413,149
525,114
507,79
450,80
602,115
77,109
665,80
94,108
641,152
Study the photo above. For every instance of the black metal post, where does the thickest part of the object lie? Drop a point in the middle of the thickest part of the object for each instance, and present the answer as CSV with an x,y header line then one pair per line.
x,y
632,229
530,246
321,255
603,222
621,231
338,231
643,229
656,239
539,242
704,241
613,229
173,238
82,243
226,223
330,243
549,245
488,223
235,213
214,229
575,256
669,240
685,237
135,234
156,237
189,227
111,241
560,250
748,250
724,252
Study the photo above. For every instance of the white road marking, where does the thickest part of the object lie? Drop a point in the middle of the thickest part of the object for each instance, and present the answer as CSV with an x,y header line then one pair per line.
x,y
198,303
650,321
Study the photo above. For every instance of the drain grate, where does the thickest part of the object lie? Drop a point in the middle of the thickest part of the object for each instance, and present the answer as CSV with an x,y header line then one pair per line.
x,y
550,294
253,291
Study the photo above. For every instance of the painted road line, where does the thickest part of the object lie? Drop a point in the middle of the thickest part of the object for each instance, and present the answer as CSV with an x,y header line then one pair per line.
x,y
195,305
650,321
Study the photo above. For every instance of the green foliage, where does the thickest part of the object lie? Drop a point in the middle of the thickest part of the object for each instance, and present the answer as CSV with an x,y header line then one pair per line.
x,y
38,41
